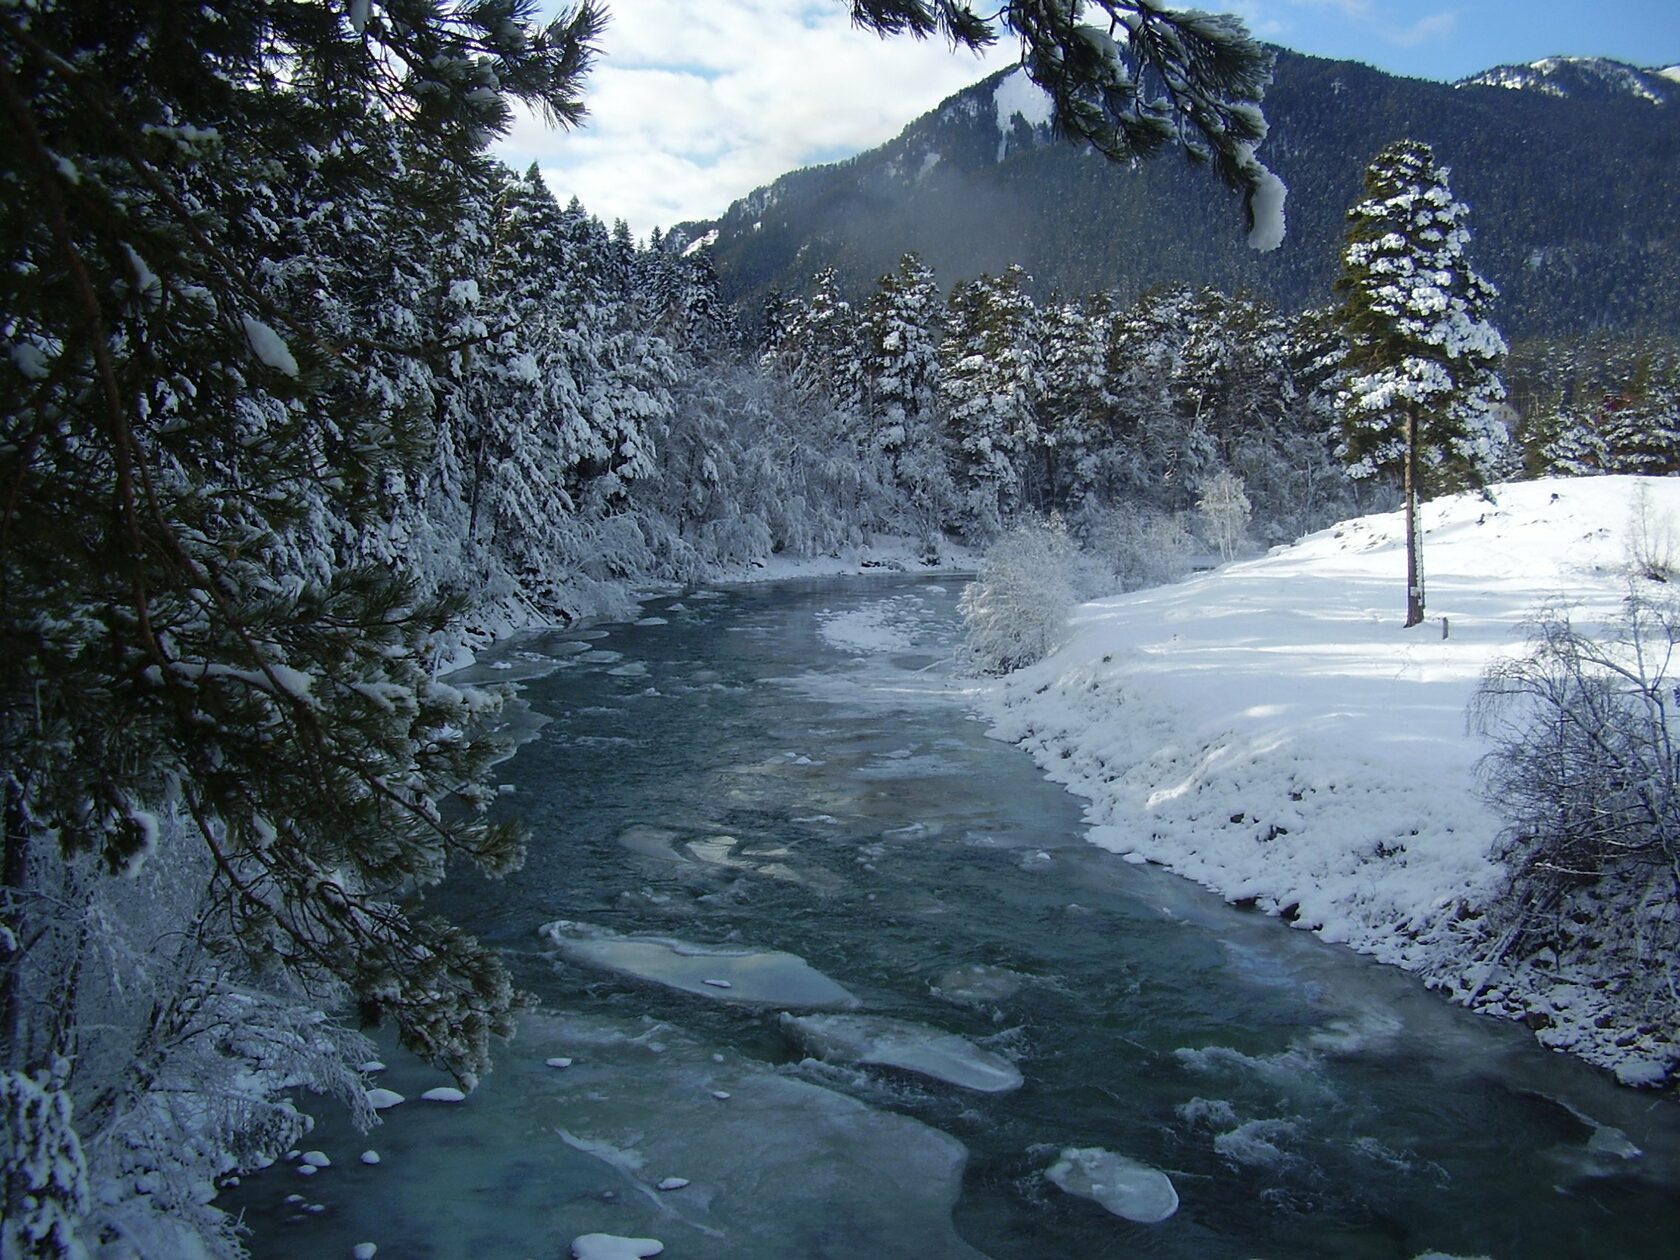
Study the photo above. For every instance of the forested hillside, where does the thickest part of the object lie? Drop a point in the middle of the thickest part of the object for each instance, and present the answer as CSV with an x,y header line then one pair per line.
x,y
1572,199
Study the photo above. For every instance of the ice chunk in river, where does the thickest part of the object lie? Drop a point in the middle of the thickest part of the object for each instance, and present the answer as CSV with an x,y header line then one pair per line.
x,y
653,842
898,1043
1123,1186
763,977
613,1247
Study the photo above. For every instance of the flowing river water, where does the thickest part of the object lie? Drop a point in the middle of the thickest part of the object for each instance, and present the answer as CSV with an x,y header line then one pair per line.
x,y
792,768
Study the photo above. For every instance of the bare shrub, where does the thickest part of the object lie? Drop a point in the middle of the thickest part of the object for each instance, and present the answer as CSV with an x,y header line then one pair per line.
x,y
1583,768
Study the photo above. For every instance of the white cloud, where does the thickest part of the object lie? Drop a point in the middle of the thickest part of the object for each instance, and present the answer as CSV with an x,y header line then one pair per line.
x,y
1377,19
1431,27
693,105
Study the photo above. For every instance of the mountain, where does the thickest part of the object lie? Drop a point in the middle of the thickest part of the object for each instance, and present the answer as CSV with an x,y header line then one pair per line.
x,y
1585,78
1572,200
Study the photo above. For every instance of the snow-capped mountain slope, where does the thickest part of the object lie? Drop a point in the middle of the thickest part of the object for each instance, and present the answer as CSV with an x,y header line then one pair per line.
x,y
1584,78
980,183
1272,732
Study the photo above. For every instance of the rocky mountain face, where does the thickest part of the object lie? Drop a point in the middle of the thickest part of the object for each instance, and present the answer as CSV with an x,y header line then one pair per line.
x,y
1585,79
1572,179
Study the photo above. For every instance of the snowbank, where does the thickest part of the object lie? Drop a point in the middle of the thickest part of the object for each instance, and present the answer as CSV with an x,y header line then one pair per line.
x,y
1271,731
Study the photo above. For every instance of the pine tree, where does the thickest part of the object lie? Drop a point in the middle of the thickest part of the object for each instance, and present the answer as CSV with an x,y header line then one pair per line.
x,y
1074,409
901,332
185,401
820,353
1421,369
990,393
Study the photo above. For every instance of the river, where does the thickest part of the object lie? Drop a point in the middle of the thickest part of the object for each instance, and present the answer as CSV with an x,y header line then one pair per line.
x,y
792,767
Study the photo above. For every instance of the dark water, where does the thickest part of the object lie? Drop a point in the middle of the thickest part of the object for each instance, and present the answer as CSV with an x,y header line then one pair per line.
x,y
743,778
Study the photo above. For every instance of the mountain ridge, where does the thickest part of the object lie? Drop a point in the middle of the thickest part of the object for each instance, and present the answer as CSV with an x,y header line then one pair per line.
x,y
1598,251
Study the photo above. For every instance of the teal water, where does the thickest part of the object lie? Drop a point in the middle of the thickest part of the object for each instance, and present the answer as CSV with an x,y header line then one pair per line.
x,y
736,777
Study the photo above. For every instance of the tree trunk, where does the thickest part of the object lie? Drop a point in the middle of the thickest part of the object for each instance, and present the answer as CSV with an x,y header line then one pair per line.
x,y
14,871
1414,549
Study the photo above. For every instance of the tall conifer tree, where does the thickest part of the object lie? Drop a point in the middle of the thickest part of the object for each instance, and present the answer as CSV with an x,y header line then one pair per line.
x,y
186,392
1421,369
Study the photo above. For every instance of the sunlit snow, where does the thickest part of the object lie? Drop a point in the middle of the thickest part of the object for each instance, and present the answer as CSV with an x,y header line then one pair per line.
x,y
1271,731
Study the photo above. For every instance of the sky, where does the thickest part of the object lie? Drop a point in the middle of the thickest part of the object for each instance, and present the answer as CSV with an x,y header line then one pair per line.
x,y
694,103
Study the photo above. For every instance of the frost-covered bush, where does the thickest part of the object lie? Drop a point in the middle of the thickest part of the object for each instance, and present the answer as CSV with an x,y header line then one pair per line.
x,y
1584,769
1225,512
1137,546
1015,610
181,1053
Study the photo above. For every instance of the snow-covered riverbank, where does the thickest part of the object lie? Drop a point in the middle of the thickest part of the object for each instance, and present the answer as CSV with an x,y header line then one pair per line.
x,y
1272,732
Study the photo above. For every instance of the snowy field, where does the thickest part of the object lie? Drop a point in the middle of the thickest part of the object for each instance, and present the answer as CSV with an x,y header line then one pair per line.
x,y
1271,731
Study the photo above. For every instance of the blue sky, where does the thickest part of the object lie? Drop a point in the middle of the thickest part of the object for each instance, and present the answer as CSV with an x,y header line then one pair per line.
x,y
695,103
1432,39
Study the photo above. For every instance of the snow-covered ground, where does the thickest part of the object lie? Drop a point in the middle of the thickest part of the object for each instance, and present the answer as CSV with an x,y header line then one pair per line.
x,y
1271,731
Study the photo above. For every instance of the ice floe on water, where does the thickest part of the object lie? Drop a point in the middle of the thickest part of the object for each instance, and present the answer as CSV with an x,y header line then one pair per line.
x,y
653,842
720,1156
1121,1185
882,1042
978,984
760,977
903,623
614,1247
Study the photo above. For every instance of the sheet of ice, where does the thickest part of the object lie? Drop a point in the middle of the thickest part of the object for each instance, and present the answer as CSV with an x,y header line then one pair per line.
x,y
758,977
614,1247
1123,1186
653,842
910,1047
900,623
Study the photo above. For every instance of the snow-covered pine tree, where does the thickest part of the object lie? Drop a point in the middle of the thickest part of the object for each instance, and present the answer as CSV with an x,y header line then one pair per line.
x,y
1422,362
1074,410
902,326
176,402
821,354
992,383
1640,423
1142,458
